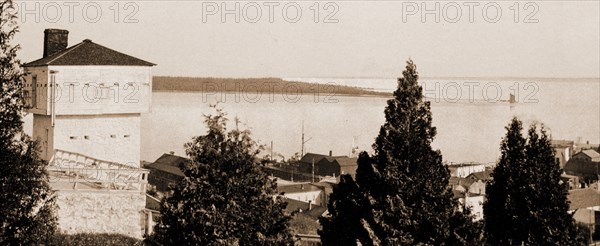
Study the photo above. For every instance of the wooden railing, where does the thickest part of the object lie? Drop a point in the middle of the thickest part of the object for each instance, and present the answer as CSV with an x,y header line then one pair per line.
x,y
71,170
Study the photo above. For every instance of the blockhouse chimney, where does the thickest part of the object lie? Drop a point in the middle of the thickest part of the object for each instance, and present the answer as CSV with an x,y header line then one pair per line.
x,y
55,40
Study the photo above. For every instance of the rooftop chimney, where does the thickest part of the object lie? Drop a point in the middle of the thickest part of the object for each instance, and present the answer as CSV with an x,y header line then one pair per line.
x,y
330,153
55,40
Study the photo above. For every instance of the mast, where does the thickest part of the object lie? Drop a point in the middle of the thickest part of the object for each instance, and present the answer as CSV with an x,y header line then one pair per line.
x,y
303,141
313,169
271,150
302,151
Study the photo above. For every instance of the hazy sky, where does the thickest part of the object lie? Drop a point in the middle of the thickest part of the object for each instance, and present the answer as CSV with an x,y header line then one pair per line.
x,y
370,38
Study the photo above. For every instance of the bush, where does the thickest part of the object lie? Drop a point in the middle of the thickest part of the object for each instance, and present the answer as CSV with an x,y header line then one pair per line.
x,y
90,239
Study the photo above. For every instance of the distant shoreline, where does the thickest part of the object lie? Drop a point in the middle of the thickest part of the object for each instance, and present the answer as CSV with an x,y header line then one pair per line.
x,y
280,93
483,79
258,85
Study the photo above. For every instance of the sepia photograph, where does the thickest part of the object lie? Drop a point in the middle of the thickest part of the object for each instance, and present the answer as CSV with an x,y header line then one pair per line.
x,y
308,122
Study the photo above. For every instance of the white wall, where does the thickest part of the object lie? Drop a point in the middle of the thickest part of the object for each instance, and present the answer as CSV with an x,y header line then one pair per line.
x,y
464,171
313,196
101,89
43,133
475,203
109,137
100,212
41,91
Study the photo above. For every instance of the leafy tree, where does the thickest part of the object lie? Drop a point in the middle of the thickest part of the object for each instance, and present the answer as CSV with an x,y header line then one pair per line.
x,y
526,200
224,198
407,199
27,204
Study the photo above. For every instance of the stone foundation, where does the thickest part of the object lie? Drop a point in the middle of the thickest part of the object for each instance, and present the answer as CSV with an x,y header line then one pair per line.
x,y
92,211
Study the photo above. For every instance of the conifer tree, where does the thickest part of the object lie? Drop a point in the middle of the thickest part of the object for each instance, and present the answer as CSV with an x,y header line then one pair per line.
x,y
526,200
224,198
27,204
405,184
343,226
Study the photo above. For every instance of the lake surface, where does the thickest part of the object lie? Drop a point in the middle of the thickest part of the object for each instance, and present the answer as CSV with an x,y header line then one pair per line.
x,y
470,115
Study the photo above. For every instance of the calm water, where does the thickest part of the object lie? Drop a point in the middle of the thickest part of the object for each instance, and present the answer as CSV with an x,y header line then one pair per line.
x,y
470,116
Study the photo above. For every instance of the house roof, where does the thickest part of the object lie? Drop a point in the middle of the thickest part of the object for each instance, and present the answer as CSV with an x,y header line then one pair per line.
x,y
576,166
463,164
485,175
297,188
295,206
458,194
168,163
583,198
464,182
453,180
309,157
325,186
346,161
591,153
89,53
562,143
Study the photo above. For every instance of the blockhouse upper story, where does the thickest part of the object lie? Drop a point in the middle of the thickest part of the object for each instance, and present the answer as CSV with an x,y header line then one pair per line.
x,y
89,79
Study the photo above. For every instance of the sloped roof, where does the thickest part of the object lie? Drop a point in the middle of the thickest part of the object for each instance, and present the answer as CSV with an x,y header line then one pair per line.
x,y
561,143
89,53
168,163
577,166
297,188
591,153
583,198
346,161
458,194
464,182
453,180
485,175
309,157
296,206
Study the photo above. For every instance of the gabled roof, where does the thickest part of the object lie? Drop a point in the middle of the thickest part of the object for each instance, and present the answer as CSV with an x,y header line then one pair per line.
x,y
576,166
591,153
89,53
310,157
583,198
168,163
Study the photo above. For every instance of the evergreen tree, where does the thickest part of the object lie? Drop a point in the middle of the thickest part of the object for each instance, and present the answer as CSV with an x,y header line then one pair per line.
x,y
526,200
407,199
224,198
27,204
343,226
